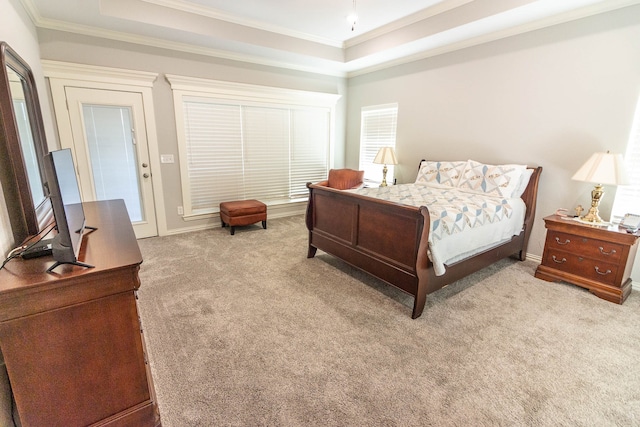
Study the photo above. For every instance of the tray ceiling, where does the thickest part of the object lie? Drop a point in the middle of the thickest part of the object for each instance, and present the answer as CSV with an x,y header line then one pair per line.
x,y
311,35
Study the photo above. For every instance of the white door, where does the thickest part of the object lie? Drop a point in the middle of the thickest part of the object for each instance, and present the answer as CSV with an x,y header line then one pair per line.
x,y
111,151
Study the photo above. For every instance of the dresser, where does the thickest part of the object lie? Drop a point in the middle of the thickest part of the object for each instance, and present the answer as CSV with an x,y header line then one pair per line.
x,y
72,340
599,259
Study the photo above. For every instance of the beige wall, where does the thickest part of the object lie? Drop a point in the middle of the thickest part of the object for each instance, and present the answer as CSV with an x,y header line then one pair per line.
x,y
547,98
60,46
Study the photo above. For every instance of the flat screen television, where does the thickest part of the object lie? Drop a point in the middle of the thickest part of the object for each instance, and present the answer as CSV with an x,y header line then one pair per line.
x,y
67,208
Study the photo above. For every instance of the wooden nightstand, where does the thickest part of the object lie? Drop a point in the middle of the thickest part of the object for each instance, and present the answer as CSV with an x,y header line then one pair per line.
x,y
597,258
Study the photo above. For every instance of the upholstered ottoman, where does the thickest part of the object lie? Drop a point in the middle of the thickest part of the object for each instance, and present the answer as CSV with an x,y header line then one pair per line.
x,y
243,212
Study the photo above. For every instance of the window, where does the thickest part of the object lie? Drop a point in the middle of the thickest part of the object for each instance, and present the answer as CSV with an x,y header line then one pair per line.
x,y
377,129
241,142
628,196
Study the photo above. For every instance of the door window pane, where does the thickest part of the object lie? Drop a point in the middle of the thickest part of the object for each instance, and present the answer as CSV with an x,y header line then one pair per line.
x,y
112,153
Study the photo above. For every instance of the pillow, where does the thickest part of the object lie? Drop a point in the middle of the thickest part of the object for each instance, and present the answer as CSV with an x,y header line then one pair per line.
x,y
445,173
498,180
522,184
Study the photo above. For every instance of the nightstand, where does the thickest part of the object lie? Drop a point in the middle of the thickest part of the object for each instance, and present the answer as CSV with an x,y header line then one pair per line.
x,y
596,258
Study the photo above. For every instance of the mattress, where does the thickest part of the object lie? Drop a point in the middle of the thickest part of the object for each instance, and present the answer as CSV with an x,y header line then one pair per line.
x,y
463,222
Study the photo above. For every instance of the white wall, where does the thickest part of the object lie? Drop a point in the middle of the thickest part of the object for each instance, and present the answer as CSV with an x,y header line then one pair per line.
x,y
547,98
60,46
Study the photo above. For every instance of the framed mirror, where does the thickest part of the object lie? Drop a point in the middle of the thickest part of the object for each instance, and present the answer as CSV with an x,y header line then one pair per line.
x,y
22,148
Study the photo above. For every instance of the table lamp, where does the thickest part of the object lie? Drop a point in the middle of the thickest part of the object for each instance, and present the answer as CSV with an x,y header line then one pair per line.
x,y
386,156
600,169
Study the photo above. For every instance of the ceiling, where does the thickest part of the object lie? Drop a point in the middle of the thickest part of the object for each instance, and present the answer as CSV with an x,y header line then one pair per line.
x,y
311,35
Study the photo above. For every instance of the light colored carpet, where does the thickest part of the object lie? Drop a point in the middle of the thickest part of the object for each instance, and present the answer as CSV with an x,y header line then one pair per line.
x,y
244,330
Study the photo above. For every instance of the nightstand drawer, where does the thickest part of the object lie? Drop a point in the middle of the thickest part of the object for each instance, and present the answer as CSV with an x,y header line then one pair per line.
x,y
588,268
588,248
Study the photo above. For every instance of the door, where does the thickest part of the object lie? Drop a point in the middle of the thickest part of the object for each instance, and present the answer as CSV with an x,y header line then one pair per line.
x,y
111,151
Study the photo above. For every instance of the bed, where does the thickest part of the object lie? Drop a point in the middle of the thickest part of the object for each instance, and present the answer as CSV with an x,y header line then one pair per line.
x,y
388,236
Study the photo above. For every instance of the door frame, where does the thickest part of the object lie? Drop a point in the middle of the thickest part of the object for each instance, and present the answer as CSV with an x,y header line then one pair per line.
x,y
63,74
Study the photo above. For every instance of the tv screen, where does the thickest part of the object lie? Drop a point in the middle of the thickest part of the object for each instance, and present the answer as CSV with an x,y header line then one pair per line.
x,y
67,207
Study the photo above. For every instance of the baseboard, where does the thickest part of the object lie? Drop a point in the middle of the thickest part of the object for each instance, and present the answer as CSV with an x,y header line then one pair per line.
x,y
273,211
536,258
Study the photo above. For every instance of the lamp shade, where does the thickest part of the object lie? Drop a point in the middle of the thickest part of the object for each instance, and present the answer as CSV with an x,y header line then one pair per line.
x,y
603,168
386,156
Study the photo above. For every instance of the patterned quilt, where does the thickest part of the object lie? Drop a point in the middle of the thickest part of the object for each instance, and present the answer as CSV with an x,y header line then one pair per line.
x,y
451,210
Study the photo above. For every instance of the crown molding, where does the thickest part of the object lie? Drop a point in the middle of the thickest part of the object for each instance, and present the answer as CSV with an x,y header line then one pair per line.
x,y
83,72
571,15
427,13
198,86
183,47
32,11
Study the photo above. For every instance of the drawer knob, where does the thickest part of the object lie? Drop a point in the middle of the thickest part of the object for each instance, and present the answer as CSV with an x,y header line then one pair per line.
x,y
611,252
602,273
563,260
566,242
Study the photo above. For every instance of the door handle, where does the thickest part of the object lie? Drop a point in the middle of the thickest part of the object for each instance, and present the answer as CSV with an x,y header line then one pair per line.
x,y
145,175
144,165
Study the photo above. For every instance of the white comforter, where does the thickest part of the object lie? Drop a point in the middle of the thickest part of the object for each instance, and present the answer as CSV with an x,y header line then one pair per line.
x,y
463,222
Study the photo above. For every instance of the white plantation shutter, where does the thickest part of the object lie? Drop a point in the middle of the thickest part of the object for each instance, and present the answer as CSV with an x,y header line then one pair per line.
x,y
310,136
236,151
213,136
377,129
628,196
266,153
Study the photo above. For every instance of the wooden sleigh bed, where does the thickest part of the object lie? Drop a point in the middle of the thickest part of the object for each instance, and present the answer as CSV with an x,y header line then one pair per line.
x,y
390,240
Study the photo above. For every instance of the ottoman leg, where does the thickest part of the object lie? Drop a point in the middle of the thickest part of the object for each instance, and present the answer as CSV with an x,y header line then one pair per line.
x,y
233,230
264,224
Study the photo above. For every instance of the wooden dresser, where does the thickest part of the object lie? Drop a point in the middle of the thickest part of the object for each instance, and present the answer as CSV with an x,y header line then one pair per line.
x,y
597,258
72,340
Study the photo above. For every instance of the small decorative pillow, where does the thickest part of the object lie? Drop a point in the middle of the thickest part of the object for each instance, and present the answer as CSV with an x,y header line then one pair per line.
x,y
499,180
445,173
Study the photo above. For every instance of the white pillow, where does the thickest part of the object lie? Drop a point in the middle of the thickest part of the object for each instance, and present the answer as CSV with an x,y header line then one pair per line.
x,y
445,173
494,180
522,184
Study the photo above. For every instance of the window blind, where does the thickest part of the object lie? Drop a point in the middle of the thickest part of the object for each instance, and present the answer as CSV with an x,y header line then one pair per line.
x,y
628,196
238,151
214,158
377,129
310,138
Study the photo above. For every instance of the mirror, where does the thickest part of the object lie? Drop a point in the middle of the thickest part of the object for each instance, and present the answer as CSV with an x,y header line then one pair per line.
x,y
22,148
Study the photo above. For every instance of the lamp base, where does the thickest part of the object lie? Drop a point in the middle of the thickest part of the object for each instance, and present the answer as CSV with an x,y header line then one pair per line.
x,y
384,176
593,214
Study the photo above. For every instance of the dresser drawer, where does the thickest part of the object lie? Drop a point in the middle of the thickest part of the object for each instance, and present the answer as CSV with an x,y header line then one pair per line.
x,y
588,248
588,268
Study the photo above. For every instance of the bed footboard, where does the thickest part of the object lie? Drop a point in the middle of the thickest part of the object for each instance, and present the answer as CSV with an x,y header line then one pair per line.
x,y
386,240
